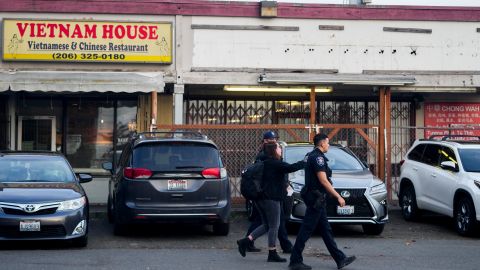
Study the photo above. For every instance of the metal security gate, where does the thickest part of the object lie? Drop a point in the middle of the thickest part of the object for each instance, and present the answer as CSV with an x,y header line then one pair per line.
x,y
237,113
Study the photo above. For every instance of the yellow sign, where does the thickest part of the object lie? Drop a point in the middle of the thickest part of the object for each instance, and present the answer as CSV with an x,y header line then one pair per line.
x,y
87,41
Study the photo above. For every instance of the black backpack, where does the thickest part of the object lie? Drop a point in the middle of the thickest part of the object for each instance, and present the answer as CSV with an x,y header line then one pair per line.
x,y
251,182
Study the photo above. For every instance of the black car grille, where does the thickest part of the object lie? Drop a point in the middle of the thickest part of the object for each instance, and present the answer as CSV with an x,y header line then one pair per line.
x,y
357,199
10,211
47,231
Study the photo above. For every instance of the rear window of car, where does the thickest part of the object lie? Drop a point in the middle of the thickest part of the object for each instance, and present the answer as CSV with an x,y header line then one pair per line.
x,y
24,168
176,156
417,152
431,155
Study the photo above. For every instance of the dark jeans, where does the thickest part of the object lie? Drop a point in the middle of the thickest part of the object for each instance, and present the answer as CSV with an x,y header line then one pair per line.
x,y
270,213
285,244
314,217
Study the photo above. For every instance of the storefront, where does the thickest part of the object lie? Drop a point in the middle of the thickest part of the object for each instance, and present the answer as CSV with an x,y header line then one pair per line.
x,y
81,87
78,78
88,125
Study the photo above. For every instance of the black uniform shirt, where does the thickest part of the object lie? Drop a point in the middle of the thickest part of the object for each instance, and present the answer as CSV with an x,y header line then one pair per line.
x,y
316,162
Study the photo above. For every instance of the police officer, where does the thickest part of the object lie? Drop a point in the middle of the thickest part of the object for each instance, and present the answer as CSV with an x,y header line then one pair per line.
x,y
317,185
285,244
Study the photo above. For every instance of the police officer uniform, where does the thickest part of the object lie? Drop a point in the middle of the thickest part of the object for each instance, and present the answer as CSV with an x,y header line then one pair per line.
x,y
314,196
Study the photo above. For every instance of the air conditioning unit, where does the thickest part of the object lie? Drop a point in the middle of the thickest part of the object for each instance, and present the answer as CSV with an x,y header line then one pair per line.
x,y
366,1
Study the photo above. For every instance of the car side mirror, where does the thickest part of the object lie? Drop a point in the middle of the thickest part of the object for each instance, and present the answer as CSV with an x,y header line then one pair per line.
x,y
84,177
449,166
108,166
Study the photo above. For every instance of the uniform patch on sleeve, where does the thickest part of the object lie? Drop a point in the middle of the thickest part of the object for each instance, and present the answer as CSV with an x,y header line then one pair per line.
x,y
320,161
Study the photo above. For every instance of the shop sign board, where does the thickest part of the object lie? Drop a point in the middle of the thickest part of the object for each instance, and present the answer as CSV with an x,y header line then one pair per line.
x,y
461,118
87,41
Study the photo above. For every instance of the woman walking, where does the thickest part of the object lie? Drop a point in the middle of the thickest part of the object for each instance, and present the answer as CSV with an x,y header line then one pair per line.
x,y
274,191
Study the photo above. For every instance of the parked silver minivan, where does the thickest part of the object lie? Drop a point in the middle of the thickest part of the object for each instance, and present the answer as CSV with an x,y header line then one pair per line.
x,y
169,177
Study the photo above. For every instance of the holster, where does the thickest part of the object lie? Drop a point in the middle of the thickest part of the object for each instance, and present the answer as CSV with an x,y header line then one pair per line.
x,y
320,199
313,198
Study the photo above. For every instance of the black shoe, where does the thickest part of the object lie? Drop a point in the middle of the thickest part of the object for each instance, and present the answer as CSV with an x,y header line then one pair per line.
x,y
253,248
242,245
273,257
346,261
299,266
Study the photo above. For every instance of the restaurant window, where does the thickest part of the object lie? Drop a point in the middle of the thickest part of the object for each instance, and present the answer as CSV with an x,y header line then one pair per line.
x,y
33,118
126,124
90,132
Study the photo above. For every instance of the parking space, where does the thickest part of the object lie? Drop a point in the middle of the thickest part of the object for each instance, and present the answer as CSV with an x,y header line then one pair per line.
x,y
165,236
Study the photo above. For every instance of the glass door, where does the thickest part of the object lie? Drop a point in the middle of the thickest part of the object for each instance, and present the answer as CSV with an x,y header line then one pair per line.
x,y
36,133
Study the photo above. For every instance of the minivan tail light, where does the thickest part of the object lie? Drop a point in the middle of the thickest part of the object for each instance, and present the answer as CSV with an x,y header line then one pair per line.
x,y
401,162
137,173
211,173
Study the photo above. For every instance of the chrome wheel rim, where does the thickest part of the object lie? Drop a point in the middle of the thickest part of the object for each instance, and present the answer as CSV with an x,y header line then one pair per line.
x,y
407,204
463,217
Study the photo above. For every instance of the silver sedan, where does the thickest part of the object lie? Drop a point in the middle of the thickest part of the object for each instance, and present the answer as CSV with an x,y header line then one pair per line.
x,y
365,195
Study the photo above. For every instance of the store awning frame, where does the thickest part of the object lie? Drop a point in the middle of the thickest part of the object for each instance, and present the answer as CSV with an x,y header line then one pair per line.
x,y
82,81
335,79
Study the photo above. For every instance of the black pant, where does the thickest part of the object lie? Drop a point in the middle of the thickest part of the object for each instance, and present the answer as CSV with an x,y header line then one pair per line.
x,y
310,221
285,244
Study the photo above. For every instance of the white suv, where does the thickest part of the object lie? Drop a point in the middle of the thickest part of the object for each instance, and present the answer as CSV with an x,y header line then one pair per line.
x,y
442,177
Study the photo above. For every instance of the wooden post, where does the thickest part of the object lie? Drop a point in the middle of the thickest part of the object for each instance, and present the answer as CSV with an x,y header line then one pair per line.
x,y
381,135
153,121
388,141
312,112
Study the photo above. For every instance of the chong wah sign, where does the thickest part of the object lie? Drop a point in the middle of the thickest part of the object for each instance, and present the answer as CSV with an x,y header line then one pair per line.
x,y
87,41
463,118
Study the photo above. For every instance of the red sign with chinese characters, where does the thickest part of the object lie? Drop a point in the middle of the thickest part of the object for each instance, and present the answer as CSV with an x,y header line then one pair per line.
x,y
464,116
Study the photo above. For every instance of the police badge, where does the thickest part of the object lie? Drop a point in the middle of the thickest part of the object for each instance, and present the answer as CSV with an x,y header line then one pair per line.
x,y
320,161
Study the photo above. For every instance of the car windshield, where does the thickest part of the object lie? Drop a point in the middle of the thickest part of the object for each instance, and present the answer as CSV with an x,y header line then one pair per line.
x,y
338,158
175,156
470,159
25,168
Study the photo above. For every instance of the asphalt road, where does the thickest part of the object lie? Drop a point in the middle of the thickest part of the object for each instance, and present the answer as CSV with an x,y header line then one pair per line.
x,y
428,244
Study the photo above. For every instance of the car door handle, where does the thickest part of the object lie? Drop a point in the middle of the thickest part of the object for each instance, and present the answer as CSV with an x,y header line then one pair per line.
x,y
433,175
415,168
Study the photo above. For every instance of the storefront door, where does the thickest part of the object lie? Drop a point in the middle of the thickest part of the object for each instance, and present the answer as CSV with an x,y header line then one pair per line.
x,y
36,133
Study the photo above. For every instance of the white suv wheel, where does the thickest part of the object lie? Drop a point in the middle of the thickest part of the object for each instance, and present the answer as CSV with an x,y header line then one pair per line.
x,y
465,216
409,204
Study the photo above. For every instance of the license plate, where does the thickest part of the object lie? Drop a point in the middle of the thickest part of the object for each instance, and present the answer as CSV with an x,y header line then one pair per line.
x,y
29,226
345,210
177,184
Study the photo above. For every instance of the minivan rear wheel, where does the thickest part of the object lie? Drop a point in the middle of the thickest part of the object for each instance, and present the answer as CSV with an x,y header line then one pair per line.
x,y
408,204
465,220
119,228
221,228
